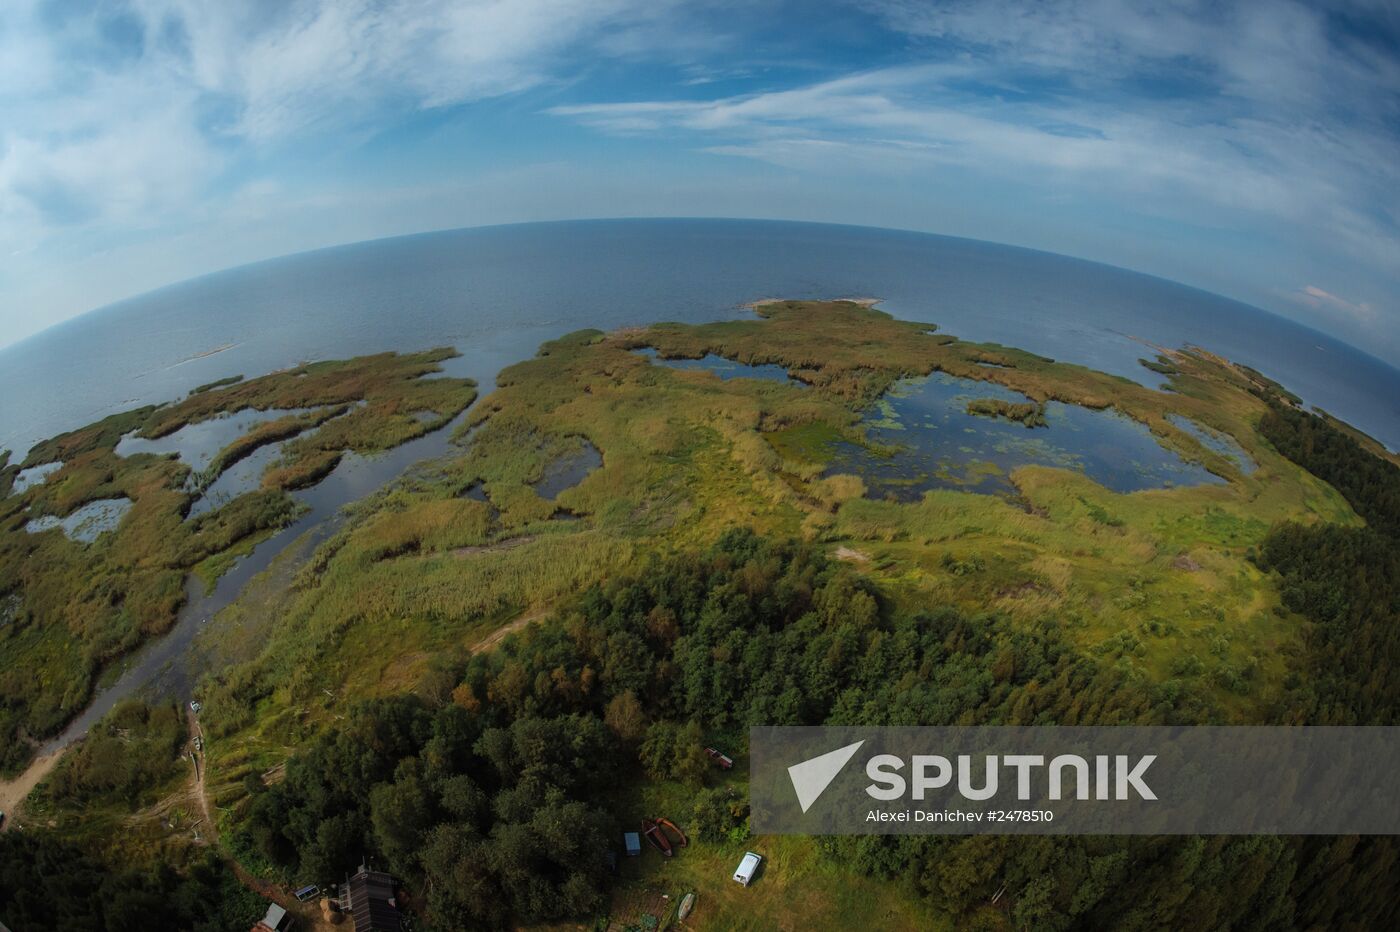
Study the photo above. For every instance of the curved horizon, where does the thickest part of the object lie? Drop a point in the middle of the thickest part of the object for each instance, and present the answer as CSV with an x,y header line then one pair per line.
x,y
452,286
578,221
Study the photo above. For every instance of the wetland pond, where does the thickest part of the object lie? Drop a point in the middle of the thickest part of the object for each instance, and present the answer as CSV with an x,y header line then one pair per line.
x,y
920,437
724,368
567,471
87,523
169,666
197,444
33,476
1217,441
165,665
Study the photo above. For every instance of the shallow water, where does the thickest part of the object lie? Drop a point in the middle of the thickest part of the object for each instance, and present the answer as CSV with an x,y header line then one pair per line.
x,y
163,665
166,666
724,368
243,476
1217,441
87,523
196,444
33,476
926,440
568,471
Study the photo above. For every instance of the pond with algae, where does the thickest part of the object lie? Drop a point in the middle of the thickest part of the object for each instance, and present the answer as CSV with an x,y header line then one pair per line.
x,y
920,436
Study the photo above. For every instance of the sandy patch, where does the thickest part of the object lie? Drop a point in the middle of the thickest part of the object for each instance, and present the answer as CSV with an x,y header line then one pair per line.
x,y
14,792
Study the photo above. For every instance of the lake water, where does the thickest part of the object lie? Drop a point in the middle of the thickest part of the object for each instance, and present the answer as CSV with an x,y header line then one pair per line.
x,y
472,288
34,475
923,438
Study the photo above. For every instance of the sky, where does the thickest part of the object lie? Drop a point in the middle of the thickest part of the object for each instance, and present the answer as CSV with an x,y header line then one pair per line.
x,y
1252,149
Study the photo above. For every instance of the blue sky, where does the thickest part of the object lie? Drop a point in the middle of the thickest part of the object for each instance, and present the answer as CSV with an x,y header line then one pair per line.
x,y
1251,149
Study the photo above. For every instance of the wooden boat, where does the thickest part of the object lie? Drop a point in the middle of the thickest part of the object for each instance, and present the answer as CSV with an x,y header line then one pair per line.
x,y
687,904
658,839
677,835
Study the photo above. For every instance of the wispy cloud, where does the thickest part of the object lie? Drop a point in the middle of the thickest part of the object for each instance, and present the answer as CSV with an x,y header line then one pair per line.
x,y
1314,297
129,109
1181,109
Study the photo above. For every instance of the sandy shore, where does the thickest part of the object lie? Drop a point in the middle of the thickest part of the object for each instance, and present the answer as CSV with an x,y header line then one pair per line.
x,y
863,302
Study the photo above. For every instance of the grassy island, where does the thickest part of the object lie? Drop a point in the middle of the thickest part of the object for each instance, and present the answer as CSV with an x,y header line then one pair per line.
x,y
488,670
1030,414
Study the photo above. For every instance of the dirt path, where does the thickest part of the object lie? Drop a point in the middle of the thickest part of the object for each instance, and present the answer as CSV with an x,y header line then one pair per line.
x,y
211,832
14,792
308,914
508,544
501,633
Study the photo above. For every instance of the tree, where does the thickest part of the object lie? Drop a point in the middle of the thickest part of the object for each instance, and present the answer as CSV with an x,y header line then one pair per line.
x,y
625,717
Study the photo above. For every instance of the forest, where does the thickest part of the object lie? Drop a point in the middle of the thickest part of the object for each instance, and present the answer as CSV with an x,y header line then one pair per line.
x,y
459,796
46,883
1345,580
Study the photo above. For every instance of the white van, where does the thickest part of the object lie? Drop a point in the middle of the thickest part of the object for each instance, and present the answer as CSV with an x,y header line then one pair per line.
x,y
747,867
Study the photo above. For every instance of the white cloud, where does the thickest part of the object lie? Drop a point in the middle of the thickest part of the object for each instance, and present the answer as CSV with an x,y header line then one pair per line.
x,y
1314,297
1260,118
137,119
129,109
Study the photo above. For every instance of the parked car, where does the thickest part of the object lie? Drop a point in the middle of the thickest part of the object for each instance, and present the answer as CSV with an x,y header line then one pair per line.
x,y
743,875
199,743
195,707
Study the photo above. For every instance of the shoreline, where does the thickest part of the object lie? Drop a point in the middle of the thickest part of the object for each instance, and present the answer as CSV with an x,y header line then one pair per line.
x,y
764,302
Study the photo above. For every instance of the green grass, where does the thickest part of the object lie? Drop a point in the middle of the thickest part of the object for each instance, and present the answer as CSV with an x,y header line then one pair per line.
x,y
217,383
811,443
1030,414
798,885
1161,365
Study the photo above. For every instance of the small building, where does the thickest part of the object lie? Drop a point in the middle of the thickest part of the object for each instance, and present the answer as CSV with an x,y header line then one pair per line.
x,y
276,920
633,843
369,899
743,875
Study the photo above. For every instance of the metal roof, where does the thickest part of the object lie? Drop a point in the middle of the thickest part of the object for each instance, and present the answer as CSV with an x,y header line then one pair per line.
x,y
370,893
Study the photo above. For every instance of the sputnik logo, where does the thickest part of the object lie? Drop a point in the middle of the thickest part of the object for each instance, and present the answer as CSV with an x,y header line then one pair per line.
x,y
811,777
